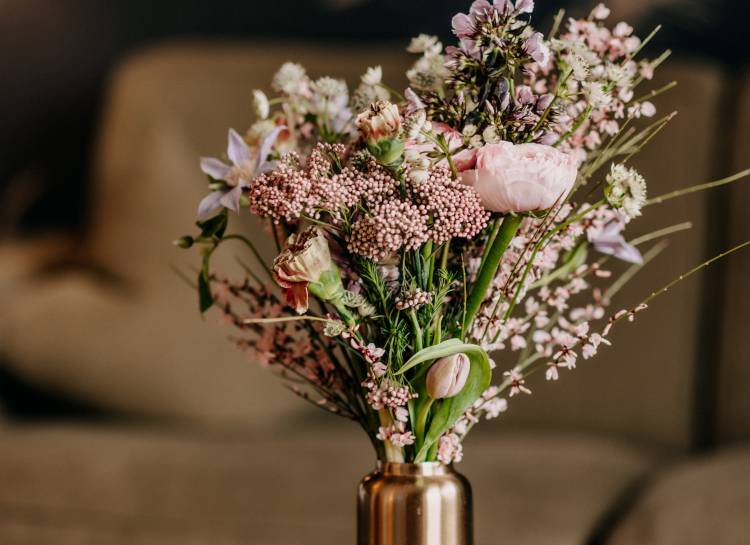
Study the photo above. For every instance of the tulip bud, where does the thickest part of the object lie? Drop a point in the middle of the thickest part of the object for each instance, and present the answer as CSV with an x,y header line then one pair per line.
x,y
447,376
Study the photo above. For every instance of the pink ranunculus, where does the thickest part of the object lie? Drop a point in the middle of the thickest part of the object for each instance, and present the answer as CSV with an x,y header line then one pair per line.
x,y
522,177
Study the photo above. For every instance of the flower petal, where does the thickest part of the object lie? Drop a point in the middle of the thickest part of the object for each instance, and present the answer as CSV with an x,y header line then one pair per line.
x,y
231,199
265,149
237,149
214,168
210,205
296,297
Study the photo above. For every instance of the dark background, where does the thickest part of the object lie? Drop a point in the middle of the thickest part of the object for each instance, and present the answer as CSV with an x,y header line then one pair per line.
x,y
56,55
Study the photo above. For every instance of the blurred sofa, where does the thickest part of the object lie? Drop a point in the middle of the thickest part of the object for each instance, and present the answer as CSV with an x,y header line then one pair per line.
x,y
209,448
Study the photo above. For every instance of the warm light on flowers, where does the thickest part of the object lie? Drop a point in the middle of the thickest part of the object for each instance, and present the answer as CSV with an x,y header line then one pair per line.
x,y
418,234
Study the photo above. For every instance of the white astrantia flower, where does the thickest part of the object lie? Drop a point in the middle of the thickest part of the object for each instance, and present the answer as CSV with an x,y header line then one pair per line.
x,y
373,76
626,189
291,79
596,95
262,106
424,43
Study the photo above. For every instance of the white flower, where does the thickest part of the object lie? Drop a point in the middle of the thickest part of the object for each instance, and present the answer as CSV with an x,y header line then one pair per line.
x,y
596,95
373,76
291,79
424,43
626,189
260,101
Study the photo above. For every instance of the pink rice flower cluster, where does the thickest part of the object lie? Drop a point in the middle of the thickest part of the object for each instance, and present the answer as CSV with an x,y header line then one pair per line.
x,y
413,299
441,209
384,393
455,210
390,226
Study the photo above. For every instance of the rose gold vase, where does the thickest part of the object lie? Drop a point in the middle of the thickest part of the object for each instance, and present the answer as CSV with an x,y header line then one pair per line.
x,y
414,504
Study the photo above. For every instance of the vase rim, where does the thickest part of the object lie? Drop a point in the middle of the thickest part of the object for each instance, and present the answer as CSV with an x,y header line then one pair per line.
x,y
424,469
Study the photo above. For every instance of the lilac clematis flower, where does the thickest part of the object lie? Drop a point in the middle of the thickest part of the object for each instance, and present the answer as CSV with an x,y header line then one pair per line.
x,y
236,176
610,241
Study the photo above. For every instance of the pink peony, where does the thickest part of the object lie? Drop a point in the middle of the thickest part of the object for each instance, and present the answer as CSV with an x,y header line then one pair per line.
x,y
520,178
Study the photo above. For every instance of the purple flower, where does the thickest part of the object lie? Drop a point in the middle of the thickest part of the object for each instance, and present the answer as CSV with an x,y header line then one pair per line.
x,y
524,6
237,175
537,49
610,241
463,25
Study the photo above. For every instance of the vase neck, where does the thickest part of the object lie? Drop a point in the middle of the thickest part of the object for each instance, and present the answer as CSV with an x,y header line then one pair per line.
x,y
426,469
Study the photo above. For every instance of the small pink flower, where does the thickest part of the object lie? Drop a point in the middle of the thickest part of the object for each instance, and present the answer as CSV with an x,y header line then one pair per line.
x,y
520,178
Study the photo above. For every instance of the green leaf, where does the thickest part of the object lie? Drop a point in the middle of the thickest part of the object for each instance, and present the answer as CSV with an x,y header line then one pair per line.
x,y
449,410
205,299
214,227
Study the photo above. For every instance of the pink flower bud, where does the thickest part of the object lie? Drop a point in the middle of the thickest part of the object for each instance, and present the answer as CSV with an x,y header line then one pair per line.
x,y
447,376
381,120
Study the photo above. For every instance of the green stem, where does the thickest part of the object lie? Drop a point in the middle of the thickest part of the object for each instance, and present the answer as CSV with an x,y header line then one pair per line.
x,y
417,329
489,267
421,424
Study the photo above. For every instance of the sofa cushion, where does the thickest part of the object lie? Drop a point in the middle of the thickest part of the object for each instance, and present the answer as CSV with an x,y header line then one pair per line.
x,y
116,486
697,503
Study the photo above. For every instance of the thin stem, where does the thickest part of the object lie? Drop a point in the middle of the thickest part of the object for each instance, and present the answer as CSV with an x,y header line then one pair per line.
x,y
253,249
417,329
284,319
689,273
625,277
716,183
662,233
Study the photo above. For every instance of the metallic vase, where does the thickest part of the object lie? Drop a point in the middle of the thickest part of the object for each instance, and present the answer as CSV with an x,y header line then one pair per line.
x,y
414,504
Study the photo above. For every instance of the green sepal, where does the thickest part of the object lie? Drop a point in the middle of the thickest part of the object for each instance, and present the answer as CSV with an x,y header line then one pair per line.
x,y
215,226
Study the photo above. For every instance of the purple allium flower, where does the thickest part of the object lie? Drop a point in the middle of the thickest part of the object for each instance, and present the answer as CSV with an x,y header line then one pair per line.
x,y
237,175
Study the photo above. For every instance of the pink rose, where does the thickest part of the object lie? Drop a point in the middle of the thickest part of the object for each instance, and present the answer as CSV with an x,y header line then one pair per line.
x,y
522,177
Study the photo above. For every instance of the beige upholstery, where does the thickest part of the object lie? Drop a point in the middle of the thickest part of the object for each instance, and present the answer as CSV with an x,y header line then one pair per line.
x,y
72,486
145,349
703,502
734,360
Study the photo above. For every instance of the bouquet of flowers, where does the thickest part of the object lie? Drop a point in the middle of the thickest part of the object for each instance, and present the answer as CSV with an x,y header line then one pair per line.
x,y
418,233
